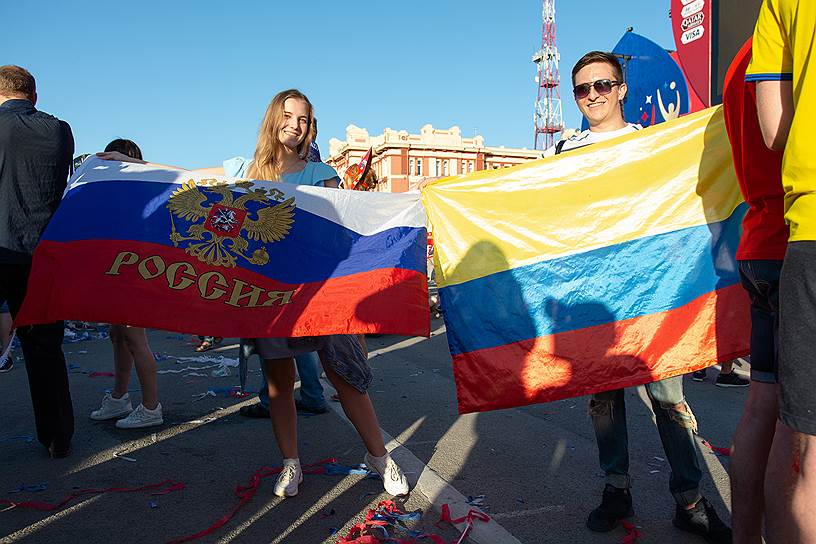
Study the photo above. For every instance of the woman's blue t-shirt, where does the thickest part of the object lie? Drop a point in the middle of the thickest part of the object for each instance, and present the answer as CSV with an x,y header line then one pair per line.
x,y
314,173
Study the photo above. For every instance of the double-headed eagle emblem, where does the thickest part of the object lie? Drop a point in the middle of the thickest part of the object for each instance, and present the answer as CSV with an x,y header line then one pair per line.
x,y
218,239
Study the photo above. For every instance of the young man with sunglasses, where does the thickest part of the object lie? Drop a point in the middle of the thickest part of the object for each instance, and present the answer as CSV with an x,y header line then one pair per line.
x,y
599,91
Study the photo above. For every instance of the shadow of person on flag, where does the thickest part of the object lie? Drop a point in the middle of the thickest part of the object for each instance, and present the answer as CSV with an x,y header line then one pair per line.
x,y
490,326
718,189
583,360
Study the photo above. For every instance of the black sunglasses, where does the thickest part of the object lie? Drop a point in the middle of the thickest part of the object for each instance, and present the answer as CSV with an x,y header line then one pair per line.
x,y
601,86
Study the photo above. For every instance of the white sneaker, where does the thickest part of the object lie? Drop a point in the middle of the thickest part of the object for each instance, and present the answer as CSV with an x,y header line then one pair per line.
x,y
113,408
394,481
142,417
290,478
6,362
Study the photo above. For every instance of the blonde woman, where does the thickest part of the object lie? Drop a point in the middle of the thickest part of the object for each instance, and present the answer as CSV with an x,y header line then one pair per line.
x,y
283,143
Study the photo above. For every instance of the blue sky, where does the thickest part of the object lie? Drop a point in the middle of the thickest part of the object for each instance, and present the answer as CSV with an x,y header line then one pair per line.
x,y
190,81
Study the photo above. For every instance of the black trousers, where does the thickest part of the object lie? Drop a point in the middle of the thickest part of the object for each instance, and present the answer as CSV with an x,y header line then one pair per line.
x,y
44,362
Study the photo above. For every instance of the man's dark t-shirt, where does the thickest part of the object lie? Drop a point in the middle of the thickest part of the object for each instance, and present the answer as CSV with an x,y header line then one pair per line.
x,y
35,158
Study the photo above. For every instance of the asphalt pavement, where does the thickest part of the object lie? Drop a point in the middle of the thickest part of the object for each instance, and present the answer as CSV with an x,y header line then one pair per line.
x,y
533,470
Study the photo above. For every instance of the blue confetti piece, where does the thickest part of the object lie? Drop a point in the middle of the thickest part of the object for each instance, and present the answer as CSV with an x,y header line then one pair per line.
x,y
27,438
31,488
335,469
153,504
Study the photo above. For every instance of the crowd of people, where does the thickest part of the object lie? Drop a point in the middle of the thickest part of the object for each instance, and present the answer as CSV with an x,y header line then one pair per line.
x,y
768,103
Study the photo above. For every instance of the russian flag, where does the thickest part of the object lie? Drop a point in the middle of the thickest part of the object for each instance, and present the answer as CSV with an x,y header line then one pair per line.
x,y
175,250
605,267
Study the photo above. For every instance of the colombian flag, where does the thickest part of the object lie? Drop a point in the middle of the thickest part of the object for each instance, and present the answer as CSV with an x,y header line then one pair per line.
x,y
605,267
174,250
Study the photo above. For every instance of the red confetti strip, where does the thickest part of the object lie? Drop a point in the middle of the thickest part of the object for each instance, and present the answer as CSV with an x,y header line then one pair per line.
x,y
468,519
725,452
100,375
632,533
48,507
245,493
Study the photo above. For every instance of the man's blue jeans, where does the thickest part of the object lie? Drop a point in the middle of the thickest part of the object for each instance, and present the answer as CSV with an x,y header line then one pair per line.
x,y
311,390
675,423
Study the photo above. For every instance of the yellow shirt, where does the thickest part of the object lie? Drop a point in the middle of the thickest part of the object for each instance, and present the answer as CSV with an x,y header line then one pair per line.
x,y
784,39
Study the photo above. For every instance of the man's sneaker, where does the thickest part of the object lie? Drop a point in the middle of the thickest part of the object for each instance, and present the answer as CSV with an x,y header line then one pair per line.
x,y
113,408
6,362
702,520
290,478
317,410
142,417
699,375
394,481
615,505
732,379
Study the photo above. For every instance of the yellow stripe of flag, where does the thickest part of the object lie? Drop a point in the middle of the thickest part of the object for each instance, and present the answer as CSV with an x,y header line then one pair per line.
x,y
676,175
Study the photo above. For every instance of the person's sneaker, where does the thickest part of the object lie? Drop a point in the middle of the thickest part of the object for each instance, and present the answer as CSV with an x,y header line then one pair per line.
x,y
732,379
255,411
6,362
616,504
290,478
699,375
113,408
142,417
394,481
702,520
300,407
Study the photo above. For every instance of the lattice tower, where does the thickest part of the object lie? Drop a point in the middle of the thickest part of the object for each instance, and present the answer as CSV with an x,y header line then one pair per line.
x,y
548,119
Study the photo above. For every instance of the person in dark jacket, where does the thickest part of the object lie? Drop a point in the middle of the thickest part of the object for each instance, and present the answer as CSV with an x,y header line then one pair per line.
x,y
35,159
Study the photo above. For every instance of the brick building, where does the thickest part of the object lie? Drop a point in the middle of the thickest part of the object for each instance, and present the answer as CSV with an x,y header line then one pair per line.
x,y
401,160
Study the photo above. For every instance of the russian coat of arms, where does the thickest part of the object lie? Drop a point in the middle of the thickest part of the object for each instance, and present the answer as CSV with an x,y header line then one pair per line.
x,y
215,235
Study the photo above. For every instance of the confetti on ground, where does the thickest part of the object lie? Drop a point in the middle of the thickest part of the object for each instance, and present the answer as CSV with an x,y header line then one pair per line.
x,y
122,457
27,438
725,452
30,488
245,493
632,533
165,487
384,522
477,501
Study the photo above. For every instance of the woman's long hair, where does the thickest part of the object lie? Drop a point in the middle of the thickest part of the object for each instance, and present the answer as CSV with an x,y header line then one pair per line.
x,y
269,150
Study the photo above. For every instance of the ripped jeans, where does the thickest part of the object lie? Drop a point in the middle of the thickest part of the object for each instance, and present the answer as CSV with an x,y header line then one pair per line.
x,y
675,423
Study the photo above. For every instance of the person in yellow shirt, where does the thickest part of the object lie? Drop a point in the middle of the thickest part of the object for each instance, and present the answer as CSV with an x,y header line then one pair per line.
x,y
784,44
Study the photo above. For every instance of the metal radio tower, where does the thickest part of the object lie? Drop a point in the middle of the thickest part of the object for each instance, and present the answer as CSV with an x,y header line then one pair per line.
x,y
548,119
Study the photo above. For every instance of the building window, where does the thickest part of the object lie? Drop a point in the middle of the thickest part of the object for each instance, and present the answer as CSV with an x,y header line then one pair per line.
x,y
437,164
419,167
445,168
411,167
470,166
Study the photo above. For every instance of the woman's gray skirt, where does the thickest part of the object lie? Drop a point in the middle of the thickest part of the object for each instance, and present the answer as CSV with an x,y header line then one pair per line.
x,y
342,352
